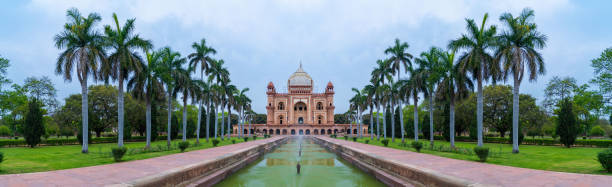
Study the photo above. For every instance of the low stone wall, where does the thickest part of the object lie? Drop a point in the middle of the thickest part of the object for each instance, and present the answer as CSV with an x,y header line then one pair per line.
x,y
210,172
389,172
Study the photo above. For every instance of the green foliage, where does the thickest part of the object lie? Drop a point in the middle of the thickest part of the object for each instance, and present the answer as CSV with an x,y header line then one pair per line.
x,y
567,128
102,100
118,153
521,136
246,139
345,137
233,141
215,142
183,145
5,131
367,141
482,152
80,136
355,139
174,127
1,157
385,142
34,127
605,159
417,145
254,137
597,131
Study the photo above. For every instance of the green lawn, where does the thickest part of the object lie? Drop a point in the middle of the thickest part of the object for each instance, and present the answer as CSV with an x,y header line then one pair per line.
x,y
46,158
553,158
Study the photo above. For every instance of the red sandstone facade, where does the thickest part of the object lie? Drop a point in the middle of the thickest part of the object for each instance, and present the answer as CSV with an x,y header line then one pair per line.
x,y
300,111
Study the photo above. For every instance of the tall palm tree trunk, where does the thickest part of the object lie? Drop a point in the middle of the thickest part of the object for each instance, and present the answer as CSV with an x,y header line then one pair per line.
x,y
223,122
392,122
515,114
479,105
452,122
148,121
250,127
385,120
431,128
371,129
416,118
229,123
184,116
199,122
208,119
377,122
216,119
120,111
401,113
169,116
359,124
240,131
84,116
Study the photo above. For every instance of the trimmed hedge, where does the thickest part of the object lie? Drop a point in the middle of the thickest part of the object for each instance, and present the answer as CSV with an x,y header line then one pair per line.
x,y
71,141
529,141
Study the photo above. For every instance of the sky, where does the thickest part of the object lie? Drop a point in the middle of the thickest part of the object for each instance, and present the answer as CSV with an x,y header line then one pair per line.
x,y
337,41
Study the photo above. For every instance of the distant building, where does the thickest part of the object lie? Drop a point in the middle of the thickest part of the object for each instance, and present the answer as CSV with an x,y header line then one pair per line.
x,y
300,111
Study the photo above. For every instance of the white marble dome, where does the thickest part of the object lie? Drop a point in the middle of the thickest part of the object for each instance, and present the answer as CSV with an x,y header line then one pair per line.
x,y
300,78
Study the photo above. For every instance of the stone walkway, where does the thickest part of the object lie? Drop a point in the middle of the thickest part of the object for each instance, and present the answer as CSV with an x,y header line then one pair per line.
x,y
486,174
103,175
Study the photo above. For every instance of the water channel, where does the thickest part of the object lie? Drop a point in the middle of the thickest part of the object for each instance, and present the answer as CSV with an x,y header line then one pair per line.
x,y
318,168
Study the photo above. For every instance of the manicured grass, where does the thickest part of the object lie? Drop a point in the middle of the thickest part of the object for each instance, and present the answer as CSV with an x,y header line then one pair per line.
x,y
553,158
46,158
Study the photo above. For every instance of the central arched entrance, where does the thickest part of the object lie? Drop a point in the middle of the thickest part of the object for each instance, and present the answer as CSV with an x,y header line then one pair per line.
x,y
301,132
300,120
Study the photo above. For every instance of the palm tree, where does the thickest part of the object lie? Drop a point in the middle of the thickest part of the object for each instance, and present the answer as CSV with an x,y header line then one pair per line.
x,y
147,85
396,97
168,72
188,88
123,60
369,92
221,76
83,50
202,56
359,101
431,70
415,84
379,74
229,93
517,52
240,100
385,99
402,96
216,91
455,85
206,97
399,57
477,59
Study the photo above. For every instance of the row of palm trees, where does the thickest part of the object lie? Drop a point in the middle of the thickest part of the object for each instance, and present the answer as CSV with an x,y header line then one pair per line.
x,y
486,55
117,54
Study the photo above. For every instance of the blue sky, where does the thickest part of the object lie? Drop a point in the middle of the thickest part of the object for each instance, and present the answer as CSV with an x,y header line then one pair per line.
x,y
336,41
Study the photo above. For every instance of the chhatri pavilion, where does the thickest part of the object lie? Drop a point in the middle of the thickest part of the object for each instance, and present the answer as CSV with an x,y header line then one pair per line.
x,y
301,111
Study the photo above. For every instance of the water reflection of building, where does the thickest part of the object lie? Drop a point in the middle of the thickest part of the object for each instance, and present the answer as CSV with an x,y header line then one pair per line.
x,y
300,111
311,162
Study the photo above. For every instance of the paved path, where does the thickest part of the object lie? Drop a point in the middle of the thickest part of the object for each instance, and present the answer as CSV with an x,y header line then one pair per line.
x,y
109,174
487,174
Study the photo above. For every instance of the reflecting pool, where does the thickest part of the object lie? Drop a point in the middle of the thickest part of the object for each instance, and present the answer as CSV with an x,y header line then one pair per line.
x,y
319,168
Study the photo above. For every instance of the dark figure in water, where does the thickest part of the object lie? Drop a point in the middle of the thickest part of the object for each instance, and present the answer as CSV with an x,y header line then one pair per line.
x,y
298,167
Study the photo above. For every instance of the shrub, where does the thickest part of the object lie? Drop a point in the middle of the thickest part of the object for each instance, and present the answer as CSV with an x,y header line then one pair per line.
x,y
597,131
33,128
4,130
345,137
1,157
354,139
605,159
482,152
233,141
183,145
118,153
246,139
417,145
385,142
254,137
367,141
215,142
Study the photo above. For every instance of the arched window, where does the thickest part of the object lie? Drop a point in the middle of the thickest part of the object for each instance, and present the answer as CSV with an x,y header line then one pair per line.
x,y
319,106
281,106
280,118
320,118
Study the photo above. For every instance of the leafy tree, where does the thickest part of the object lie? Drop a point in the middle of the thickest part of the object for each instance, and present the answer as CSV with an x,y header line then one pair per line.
x,y
83,52
399,57
4,64
42,89
175,127
14,106
103,107
34,128
603,77
137,118
567,128
558,89
498,108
